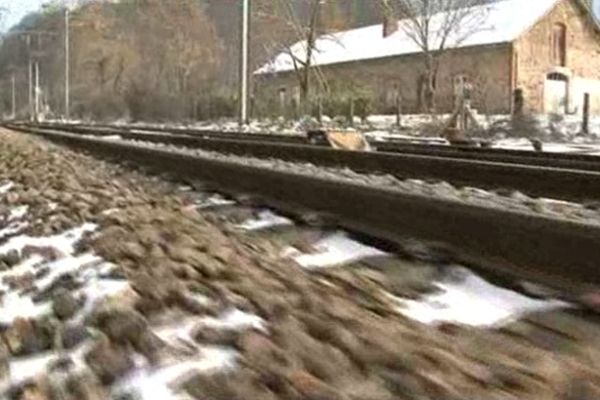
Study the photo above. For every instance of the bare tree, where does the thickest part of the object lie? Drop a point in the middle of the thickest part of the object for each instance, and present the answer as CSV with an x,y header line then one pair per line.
x,y
435,26
308,34
303,26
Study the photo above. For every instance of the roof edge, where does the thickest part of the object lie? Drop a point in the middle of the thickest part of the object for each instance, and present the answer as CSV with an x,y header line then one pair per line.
x,y
464,48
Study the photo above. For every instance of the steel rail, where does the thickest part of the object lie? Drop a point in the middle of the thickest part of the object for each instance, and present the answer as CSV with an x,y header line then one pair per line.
x,y
559,253
116,129
534,180
408,146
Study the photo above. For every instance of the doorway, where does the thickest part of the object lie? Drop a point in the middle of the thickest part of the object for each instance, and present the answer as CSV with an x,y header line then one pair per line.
x,y
556,93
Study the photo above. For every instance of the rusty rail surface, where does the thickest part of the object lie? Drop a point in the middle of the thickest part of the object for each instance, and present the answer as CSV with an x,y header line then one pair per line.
x,y
535,180
559,253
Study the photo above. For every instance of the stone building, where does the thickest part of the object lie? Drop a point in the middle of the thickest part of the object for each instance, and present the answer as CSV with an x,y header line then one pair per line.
x,y
540,55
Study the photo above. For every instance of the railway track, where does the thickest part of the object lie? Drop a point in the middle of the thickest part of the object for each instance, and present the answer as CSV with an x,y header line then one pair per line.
x,y
405,146
565,176
558,253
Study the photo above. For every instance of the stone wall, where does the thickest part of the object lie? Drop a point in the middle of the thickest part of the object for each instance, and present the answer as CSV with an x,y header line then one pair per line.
x,y
495,71
533,56
487,68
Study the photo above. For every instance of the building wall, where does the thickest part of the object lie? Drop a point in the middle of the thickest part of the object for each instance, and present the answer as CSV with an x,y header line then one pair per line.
x,y
487,68
533,57
495,72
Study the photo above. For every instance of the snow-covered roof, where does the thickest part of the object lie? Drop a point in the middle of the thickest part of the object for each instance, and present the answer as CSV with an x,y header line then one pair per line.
x,y
502,22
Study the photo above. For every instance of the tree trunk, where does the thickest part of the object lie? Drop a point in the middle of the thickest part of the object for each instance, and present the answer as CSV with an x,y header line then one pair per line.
x,y
398,109
351,112
304,91
430,77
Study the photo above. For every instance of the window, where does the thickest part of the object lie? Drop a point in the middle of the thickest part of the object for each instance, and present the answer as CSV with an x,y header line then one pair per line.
x,y
282,97
559,44
392,91
518,101
555,76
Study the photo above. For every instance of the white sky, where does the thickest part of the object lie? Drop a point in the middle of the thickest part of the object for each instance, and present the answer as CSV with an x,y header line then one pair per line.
x,y
17,9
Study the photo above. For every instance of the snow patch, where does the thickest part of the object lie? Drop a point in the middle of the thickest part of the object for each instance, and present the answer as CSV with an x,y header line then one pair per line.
x,y
64,242
235,319
110,211
6,187
215,201
157,383
470,300
86,267
16,306
112,137
18,213
24,369
336,249
12,229
266,219
231,319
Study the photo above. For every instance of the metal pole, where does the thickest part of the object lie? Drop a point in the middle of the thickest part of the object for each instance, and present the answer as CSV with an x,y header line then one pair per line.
x,y
245,33
67,67
14,98
37,91
30,79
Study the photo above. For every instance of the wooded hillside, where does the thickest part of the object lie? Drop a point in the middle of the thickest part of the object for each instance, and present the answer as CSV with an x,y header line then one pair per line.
x,y
155,59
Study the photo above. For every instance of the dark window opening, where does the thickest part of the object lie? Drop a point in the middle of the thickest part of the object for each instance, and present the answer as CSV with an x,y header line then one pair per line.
x,y
559,45
519,101
556,76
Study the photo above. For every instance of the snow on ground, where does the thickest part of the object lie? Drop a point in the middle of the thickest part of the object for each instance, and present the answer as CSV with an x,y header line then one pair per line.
x,y
64,242
550,147
215,200
87,267
230,319
26,368
264,220
235,319
466,298
146,382
156,383
18,212
22,369
152,383
335,249
6,187
111,137
16,303
13,228
420,128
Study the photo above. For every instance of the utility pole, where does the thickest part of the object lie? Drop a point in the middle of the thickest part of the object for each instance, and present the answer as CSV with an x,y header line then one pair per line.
x,y
14,98
37,91
30,78
244,57
67,67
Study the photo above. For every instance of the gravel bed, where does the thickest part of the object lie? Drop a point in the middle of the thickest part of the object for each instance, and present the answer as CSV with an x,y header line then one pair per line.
x,y
212,313
507,200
